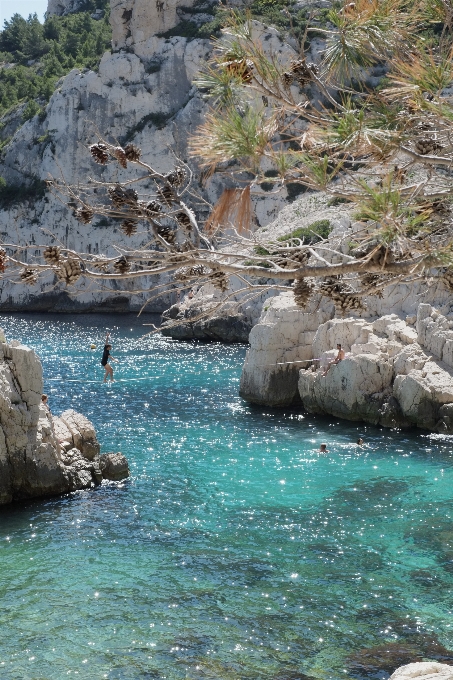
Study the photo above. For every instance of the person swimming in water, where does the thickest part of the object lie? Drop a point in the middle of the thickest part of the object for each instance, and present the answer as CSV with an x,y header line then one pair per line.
x,y
105,359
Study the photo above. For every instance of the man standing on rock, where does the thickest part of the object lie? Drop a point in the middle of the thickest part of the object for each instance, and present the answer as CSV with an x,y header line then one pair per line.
x,y
340,356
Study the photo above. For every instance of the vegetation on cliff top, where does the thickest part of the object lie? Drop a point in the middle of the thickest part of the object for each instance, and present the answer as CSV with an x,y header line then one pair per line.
x,y
36,55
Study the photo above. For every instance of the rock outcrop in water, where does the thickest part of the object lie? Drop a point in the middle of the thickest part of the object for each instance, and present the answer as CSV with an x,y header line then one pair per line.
x,y
424,670
398,370
41,454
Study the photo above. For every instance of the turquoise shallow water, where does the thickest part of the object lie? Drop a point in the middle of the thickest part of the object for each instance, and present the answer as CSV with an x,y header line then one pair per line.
x,y
235,550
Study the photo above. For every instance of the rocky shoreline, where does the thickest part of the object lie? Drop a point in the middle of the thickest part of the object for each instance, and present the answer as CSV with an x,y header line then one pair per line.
x,y
398,371
40,454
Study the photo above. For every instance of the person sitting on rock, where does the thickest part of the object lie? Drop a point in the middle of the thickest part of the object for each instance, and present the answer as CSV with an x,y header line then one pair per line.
x,y
340,356
105,359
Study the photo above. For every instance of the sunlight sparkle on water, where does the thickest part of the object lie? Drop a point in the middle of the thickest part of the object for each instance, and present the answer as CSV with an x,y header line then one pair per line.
x,y
234,547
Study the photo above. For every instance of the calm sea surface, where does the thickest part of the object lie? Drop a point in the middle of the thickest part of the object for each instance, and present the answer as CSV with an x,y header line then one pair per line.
x,y
235,551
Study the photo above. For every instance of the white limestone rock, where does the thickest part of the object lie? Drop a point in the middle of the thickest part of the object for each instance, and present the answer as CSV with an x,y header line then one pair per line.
x,y
114,466
82,433
279,345
354,389
142,93
423,670
390,375
40,455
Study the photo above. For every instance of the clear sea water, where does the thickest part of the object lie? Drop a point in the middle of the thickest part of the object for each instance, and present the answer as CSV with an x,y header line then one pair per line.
x,y
235,551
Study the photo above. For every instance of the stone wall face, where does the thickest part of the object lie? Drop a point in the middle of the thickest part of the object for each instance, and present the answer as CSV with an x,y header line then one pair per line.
x,y
141,93
41,454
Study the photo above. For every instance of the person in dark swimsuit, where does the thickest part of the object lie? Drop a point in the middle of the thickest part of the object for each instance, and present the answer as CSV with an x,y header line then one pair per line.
x,y
106,358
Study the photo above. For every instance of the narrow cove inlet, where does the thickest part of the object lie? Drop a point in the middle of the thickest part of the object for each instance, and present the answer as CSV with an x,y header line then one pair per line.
x,y
235,551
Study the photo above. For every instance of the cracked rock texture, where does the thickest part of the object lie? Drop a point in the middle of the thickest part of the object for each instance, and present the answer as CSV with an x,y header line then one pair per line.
x,y
41,454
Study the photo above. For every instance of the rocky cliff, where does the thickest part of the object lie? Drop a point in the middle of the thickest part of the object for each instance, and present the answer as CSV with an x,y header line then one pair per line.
x,y
141,92
40,454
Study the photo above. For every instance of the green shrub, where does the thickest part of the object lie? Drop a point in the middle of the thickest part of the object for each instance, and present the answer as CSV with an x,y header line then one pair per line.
x,y
58,45
11,194
337,200
159,120
189,29
311,234
30,110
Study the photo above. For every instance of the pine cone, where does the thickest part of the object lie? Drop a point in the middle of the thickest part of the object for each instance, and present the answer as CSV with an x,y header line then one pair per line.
x,y
220,281
153,208
242,68
302,72
167,195
84,215
131,197
99,153
120,155
29,276
187,273
344,298
346,302
302,291
184,220
448,278
369,280
132,152
176,177
122,266
168,234
291,257
69,271
117,197
3,260
427,145
129,227
287,78
52,254
121,197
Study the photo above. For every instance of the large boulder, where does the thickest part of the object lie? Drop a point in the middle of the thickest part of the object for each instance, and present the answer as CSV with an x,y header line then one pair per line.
x,y
280,344
114,466
82,433
354,389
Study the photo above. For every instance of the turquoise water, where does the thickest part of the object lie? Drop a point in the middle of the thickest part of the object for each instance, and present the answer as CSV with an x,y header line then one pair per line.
x,y
235,550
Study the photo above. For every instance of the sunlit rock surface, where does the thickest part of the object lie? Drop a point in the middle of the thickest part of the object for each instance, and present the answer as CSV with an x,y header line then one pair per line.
x,y
141,93
41,454
425,670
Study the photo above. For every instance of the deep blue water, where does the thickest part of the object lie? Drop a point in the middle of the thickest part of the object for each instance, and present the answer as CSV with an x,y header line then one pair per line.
x,y
235,550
